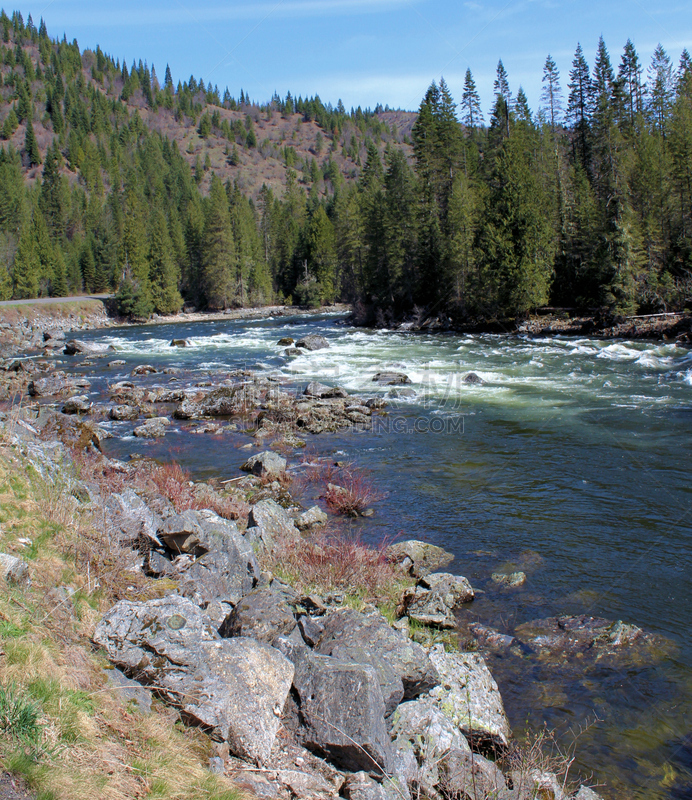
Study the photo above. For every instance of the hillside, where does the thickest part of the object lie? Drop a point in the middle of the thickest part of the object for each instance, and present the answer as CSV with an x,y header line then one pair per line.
x,y
285,139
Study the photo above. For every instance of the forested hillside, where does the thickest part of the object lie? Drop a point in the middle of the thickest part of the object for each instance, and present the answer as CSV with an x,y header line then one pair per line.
x,y
111,179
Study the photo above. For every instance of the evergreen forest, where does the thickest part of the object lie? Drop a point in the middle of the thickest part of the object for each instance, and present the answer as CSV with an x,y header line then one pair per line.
x,y
169,194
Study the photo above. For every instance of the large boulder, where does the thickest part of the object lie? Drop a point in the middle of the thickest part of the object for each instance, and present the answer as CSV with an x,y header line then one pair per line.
x,y
269,524
312,342
261,615
265,465
80,347
403,667
342,712
222,567
418,558
226,401
57,384
236,688
469,696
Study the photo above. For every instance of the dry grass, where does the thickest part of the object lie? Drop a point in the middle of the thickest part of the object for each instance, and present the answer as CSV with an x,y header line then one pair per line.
x,y
91,743
335,561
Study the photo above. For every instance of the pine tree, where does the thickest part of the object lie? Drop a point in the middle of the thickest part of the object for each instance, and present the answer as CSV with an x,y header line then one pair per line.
x,y
163,272
578,107
26,271
630,77
53,198
32,153
661,87
551,94
218,250
503,98
472,115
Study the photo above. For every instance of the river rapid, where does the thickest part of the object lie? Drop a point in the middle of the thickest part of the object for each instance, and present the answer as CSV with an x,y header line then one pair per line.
x,y
570,462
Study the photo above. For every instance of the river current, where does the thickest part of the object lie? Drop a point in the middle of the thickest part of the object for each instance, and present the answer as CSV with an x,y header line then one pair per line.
x,y
570,462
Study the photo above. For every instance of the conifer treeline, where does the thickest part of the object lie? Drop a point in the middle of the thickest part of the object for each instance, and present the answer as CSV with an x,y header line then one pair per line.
x,y
586,203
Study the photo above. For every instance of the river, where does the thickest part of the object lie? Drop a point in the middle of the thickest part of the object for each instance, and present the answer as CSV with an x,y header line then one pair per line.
x,y
570,461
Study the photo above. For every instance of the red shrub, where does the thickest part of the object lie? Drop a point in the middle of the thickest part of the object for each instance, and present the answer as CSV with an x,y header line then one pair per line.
x,y
352,492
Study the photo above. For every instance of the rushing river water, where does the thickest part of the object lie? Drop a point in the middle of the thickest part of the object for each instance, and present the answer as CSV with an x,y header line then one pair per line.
x,y
570,462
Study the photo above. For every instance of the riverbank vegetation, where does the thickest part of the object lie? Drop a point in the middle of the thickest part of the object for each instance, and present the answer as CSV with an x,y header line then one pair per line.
x,y
114,181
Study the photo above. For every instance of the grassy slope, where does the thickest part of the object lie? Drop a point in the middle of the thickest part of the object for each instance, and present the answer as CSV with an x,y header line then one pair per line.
x,y
87,742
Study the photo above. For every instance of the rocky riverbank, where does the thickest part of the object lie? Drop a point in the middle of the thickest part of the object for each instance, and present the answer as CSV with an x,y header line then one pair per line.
x,y
319,667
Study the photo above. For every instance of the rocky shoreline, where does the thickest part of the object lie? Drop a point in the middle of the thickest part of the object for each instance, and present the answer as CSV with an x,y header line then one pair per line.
x,y
353,689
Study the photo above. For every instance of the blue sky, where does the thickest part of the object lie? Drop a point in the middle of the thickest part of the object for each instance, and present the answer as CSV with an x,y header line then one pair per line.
x,y
366,51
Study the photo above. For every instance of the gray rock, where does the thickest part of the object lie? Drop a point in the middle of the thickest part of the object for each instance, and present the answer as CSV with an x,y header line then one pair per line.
x,y
511,579
57,384
153,428
131,691
144,369
469,696
180,343
360,786
322,391
234,687
455,589
471,377
80,404
258,785
217,765
342,711
467,774
562,636
489,637
265,465
306,785
391,378
311,628
402,394
131,521
262,615
269,523
14,571
293,351
223,566
530,783
119,362
93,432
312,342
427,607
312,518
421,727
585,793
418,558
403,667
80,347
123,412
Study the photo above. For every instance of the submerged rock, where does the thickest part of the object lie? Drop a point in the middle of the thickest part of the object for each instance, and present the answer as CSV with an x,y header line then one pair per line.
x,y
471,377
511,579
180,343
285,341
